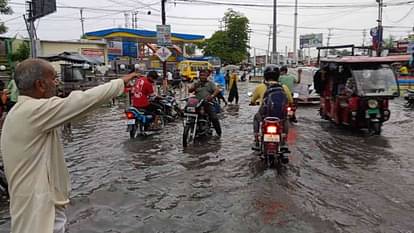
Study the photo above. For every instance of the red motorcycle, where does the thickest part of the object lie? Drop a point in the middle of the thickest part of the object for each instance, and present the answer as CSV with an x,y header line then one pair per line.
x,y
272,141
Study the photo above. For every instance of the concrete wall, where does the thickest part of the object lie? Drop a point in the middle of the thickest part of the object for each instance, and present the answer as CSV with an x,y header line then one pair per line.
x,y
48,48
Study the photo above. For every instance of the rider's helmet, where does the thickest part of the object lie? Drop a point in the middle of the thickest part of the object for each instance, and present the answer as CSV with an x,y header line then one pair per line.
x,y
271,72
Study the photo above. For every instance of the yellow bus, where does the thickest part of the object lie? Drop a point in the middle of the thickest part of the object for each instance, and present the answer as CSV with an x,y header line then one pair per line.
x,y
188,69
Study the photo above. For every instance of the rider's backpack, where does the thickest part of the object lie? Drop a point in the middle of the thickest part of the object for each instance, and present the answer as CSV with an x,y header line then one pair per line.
x,y
274,102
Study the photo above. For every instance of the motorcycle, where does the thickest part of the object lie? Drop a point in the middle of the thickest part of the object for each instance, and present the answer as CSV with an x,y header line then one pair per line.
x,y
271,142
196,121
140,122
170,107
3,182
409,97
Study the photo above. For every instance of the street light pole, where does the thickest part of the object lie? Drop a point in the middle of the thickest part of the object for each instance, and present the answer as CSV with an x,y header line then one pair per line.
x,y
274,51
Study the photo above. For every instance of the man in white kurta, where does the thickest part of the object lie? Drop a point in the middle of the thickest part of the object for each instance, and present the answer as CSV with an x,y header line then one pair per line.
x,y
36,171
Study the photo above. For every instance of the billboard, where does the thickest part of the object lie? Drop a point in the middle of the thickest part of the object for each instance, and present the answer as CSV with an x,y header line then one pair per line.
x,y
42,8
310,40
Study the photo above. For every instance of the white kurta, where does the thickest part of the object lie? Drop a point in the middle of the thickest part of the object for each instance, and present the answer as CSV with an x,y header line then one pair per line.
x,y
33,154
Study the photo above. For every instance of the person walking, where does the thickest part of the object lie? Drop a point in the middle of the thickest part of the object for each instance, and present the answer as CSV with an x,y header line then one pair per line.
x,y
227,79
234,93
39,183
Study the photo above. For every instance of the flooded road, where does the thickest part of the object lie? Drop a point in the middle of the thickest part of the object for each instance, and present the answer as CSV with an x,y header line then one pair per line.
x,y
337,181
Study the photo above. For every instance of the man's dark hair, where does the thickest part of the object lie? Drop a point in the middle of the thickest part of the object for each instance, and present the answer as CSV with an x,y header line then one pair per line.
x,y
284,69
153,74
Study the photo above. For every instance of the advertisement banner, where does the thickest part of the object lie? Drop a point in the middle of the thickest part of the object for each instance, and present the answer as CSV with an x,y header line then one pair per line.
x,y
115,48
164,35
311,40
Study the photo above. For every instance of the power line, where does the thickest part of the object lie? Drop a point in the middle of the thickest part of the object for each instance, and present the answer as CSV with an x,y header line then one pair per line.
x,y
307,6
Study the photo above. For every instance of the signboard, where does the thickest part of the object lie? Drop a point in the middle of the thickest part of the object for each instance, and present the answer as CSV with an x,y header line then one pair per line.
x,y
411,37
163,53
42,8
164,35
310,40
115,48
92,52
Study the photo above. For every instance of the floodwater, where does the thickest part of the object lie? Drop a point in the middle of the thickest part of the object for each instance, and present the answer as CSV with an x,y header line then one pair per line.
x,y
337,181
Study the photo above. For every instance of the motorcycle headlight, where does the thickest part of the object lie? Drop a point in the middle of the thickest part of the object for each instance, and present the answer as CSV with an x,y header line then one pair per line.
x,y
372,103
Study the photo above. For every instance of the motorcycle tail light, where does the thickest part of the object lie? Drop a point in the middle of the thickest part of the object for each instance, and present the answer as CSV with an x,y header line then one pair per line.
x,y
289,108
271,129
130,115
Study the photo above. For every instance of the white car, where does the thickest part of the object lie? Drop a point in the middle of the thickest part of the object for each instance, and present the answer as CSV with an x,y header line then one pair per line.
x,y
305,91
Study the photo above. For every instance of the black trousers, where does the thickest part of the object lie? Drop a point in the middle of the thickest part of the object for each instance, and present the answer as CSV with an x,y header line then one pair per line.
x,y
213,117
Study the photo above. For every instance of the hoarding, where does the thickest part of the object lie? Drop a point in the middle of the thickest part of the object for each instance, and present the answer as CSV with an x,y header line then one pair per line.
x,y
42,8
310,40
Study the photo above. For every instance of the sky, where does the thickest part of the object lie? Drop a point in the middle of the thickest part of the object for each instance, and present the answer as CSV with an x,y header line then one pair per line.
x,y
347,19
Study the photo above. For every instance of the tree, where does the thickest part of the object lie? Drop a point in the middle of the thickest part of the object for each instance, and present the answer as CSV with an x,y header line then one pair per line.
x,y
22,52
231,44
389,42
4,10
190,49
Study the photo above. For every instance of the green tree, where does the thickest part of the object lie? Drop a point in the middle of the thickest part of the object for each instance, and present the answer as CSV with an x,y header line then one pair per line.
x,y
22,52
4,10
231,44
190,49
389,42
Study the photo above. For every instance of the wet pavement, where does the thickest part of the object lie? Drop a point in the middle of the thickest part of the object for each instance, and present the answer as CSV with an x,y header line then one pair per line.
x,y
337,181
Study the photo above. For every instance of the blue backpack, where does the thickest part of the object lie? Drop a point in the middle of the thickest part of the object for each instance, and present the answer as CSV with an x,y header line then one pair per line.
x,y
274,102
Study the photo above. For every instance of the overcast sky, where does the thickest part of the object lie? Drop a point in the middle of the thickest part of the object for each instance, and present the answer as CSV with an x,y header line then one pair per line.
x,y
347,21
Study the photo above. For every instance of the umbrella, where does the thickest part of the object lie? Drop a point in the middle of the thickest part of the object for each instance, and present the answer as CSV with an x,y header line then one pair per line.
x,y
230,67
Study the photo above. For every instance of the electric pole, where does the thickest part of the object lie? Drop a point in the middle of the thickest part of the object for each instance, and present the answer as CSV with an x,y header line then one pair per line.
x,y
329,40
295,33
164,64
29,20
126,19
82,21
268,55
274,50
380,29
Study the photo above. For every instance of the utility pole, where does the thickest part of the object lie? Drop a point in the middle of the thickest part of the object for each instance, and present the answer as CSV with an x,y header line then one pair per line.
x,y
268,60
295,33
329,40
164,64
380,29
29,20
274,50
126,19
82,21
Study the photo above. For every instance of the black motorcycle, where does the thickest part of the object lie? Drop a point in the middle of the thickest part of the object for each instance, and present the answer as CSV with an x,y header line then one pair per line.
x,y
3,182
170,107
196,121
409,97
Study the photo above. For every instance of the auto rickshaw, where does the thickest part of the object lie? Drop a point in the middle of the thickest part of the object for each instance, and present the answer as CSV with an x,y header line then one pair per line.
x,y
355,91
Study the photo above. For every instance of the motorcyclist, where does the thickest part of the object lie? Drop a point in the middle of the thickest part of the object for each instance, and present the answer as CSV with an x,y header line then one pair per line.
x,y
289,80
143,93
271,79
205,89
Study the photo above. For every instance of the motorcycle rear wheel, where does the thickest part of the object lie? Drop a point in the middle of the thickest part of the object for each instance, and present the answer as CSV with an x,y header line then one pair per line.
x,y
187,135
133,131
